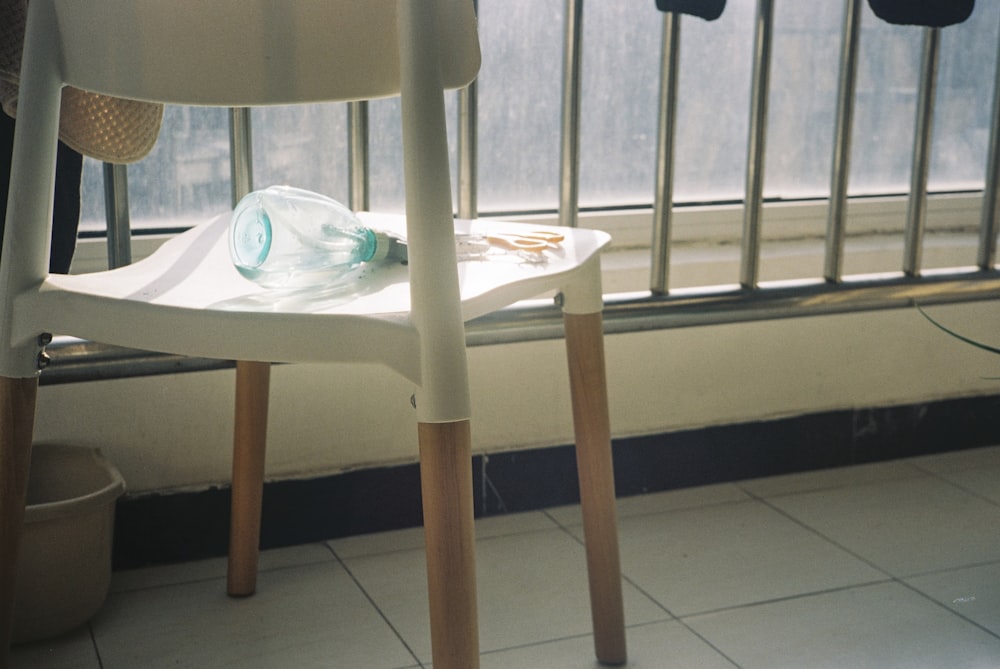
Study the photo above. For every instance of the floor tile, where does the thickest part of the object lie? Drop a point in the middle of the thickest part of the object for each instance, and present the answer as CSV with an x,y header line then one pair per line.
x,y
413,537
699,560
532,587
983,481
667,645
71,651
905,527
873,627
303,617
973,592
971,458
657,502
213,568
377,543
836,477
790,571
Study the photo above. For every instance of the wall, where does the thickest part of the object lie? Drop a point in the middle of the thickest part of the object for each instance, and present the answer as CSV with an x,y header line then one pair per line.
x,y
174,432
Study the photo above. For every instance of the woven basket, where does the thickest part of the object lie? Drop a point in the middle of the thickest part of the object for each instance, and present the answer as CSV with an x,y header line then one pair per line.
x,y
109,129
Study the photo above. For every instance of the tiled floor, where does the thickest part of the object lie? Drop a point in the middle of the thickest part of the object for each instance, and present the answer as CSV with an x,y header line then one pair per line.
x,y
886,565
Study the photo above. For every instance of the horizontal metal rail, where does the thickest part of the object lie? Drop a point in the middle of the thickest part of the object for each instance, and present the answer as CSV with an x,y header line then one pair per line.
x,y
700,307
75,360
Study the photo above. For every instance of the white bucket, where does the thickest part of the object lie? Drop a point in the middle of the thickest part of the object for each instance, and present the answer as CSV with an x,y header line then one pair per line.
x,y
64,563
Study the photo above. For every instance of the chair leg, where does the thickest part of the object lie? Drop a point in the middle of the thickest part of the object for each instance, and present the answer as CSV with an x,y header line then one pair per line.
x,y
17,418
446,484
588,388
249,443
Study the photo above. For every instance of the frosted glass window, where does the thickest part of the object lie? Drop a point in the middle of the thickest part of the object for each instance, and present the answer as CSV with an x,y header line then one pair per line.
x,y
185,176
305,146
520,92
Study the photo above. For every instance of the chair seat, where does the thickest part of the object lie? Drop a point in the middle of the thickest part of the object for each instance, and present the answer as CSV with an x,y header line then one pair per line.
x,y
187,298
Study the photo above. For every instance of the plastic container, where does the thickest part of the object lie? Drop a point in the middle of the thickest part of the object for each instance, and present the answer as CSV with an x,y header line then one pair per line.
x,y
290,238
64,563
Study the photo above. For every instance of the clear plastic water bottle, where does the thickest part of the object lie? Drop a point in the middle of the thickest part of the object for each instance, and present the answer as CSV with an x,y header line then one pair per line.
x,y
285,237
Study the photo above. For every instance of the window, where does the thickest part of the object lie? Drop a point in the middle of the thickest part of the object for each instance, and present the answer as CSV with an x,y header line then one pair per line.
x,y
187,175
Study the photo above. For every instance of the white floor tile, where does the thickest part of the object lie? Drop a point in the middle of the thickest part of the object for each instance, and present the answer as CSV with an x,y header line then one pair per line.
x,y
667,645
377,543
658,502
71,651
413,537
309,616
789,571
983,481
973,592
971,458
905,527
720,556
213,568
824,479
875,627
532,587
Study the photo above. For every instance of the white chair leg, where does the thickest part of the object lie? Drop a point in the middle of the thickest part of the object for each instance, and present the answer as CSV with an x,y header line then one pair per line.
x,y
17,418
249,443
588,387
446,484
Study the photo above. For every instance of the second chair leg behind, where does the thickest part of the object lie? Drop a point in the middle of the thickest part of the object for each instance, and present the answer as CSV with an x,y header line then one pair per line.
x,y
591,422
249,444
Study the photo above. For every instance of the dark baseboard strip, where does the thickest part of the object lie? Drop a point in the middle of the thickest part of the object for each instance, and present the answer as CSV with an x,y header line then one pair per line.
x,y
159,529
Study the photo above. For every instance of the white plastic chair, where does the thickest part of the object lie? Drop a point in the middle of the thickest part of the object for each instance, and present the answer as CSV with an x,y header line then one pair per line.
x,y
188,299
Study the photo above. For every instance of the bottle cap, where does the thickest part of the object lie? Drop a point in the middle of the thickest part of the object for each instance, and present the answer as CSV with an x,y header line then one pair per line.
x,y
383,242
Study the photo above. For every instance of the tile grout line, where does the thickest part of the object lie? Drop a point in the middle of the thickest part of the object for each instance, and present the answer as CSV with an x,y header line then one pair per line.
x,y
673,617
943,477
708,643
899,580
93,642
819,534
377,608
945,570
624,577
786,598
916,473
948,609
535,644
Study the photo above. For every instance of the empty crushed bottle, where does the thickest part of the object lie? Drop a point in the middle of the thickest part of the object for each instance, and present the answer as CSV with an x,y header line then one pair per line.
x,y
285,237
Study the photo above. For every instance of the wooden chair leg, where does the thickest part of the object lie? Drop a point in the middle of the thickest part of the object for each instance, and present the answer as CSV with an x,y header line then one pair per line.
x,y
17,418
588,387
249,444
446,484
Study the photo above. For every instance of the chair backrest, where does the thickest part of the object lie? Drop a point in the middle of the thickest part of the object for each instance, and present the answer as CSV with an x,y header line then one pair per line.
x,y
239,53
251,52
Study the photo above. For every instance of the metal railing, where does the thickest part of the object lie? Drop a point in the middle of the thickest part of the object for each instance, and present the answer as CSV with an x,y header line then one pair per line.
x,y
660,307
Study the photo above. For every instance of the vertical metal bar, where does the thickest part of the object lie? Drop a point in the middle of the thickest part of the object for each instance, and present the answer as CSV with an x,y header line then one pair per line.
x,y
357,149
666,129
916,213
750,250
240,153
840,169
468,142
569,166
991,191
116,212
